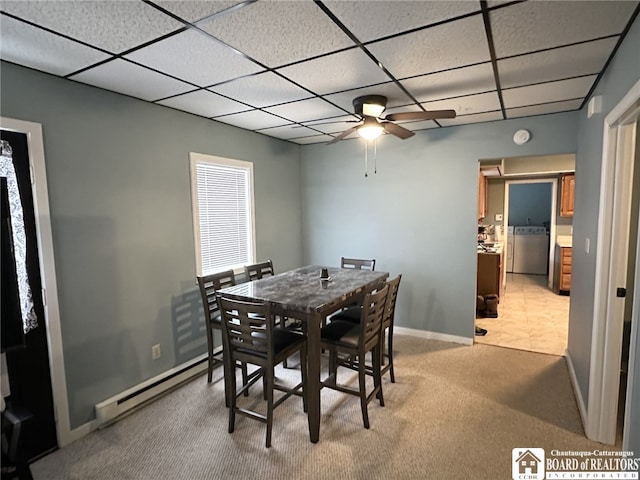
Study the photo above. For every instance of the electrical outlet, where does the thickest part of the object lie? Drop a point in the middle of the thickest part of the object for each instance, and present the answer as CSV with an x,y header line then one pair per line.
x,y
155,352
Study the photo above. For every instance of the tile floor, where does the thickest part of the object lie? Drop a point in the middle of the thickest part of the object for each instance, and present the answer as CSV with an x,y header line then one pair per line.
x,y
530,317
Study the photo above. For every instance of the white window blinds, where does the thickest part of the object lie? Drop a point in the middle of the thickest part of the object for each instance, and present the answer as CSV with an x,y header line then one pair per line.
x,y
223,212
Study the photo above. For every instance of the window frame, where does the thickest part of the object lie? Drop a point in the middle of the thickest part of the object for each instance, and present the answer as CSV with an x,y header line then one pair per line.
x,y
200,158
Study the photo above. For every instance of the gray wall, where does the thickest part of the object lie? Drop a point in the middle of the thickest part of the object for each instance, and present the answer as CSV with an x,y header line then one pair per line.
x,y
417,216
622,74
120,198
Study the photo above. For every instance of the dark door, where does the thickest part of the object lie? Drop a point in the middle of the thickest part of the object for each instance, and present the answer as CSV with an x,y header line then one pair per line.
x,y
28,367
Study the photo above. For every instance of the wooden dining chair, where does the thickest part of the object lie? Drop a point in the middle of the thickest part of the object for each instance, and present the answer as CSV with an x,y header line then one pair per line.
x,y
358,263
353,314
256,271
251,336
209,285
348,343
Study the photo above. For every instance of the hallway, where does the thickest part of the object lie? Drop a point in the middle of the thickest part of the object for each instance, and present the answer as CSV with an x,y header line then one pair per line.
x,y
530,317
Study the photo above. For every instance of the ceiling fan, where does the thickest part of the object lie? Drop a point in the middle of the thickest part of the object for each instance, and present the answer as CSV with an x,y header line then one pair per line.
x,y
370,107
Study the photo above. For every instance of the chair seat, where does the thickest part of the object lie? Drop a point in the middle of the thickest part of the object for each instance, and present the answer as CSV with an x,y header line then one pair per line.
x,y
341,332
351,314
283,339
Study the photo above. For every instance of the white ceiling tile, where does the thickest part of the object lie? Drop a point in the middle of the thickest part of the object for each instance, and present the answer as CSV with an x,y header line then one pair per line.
x,y
337,72
262,90
125,77
474,118
305,110
36,48
194,10
547,92
371,20
204,103
530,26
452,83
113,26
335,124
313,139
194,57
556,64
450,45
253,120
544,108
395,95
484,102
287,31
288,131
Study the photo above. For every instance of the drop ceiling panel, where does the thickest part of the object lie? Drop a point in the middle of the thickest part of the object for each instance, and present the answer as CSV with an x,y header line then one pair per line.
x,y
530,26
547,92
204,103
450,45
336,124
372,20
194,57
125,77
337,72
313,139
288,131
306,110
484,102
452,83
253,120
36,48
113,26
288,31
556,64
194,10
474,118
544,108
395,95
262,90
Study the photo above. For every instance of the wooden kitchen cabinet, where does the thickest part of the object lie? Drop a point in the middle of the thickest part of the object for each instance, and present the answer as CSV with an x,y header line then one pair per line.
x,y
562,270
567,194
489,274
482,196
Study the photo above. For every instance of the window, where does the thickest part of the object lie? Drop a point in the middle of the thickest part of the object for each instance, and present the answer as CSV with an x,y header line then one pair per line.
x,y
222,197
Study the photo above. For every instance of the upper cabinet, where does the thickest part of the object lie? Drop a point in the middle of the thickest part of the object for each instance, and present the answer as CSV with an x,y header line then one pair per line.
x,y
567,194
482,196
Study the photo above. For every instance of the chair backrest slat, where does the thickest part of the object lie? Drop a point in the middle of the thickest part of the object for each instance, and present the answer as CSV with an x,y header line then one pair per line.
x,y
392,297
373,311
209,285
358,263
247,326
257,271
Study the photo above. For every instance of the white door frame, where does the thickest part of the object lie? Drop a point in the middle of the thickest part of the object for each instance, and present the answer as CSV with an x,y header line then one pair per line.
x,y
554,213
47,272
611,266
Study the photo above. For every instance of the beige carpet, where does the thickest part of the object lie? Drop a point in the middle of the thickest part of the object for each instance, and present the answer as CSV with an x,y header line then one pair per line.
x,y
455,412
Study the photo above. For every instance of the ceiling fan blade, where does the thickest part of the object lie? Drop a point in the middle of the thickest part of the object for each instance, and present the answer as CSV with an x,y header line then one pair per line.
x,y
397,130
430,115
325,123
344,134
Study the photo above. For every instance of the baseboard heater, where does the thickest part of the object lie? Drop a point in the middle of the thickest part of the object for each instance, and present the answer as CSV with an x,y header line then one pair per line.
x,y
118,406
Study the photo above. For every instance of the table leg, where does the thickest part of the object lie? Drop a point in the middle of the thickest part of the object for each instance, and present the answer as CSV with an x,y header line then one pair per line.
x,y
313,377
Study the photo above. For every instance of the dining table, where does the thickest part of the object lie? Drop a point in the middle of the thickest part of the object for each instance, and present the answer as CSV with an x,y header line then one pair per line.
x,y
302,294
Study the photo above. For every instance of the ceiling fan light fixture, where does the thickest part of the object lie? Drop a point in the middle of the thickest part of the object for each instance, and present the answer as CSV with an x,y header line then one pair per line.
x,y
372,109
370,130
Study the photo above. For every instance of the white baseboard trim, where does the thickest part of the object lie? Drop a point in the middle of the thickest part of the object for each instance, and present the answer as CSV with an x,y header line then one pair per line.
x,y
443,337
577,392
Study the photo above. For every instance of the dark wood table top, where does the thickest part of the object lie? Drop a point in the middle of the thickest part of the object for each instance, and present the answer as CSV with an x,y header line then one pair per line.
x,y
302,290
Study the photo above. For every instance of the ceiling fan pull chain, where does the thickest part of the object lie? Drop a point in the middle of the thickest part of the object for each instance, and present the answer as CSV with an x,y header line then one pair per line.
x,y
366,158
375,155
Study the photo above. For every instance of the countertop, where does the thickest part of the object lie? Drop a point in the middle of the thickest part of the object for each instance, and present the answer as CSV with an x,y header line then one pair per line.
x,y
494,248
564,241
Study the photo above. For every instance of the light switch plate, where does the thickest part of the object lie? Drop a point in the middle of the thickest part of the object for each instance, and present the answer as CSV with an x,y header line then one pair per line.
x,y
498,217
